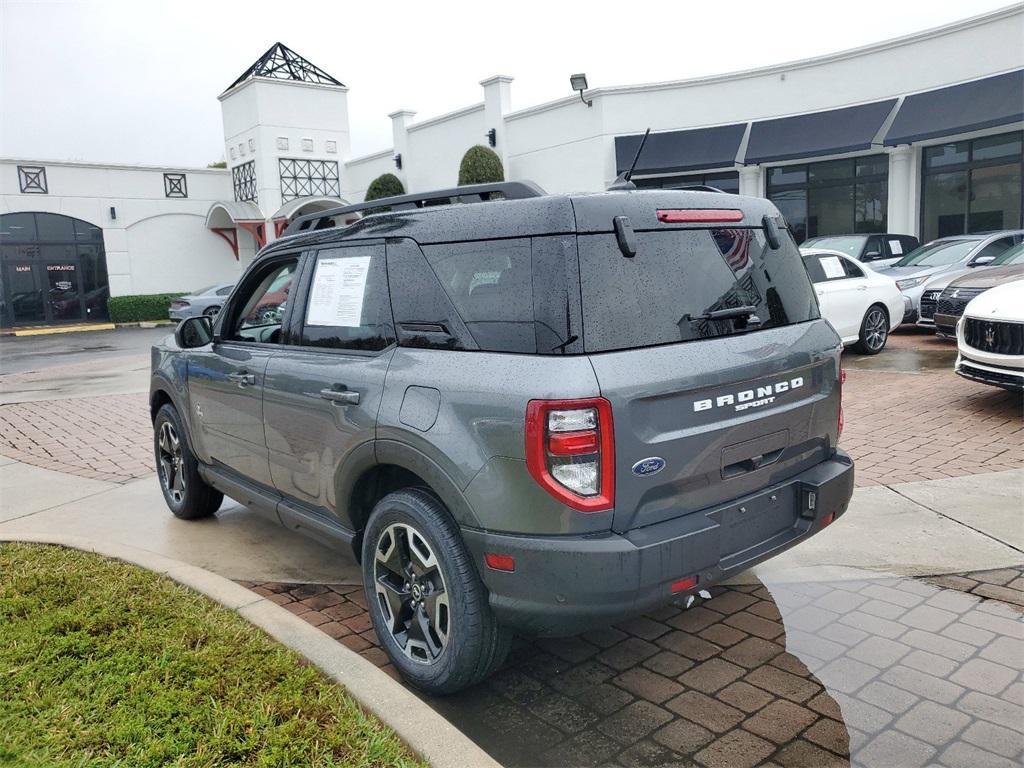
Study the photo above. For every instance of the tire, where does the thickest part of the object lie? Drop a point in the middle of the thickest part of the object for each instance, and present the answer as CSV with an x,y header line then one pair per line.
x,y
211,312
447,639
187,495
874,330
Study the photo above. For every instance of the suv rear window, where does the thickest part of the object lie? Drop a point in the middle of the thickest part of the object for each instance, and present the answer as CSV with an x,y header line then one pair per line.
x,y
677,276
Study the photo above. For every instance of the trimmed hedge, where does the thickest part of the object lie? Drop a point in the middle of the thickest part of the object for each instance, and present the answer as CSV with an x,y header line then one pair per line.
x,y
480,165
385,185
134,309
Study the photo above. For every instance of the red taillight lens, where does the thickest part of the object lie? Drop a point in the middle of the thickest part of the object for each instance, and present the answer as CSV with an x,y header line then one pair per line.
x,y
684,585
498,562
699,215
570,451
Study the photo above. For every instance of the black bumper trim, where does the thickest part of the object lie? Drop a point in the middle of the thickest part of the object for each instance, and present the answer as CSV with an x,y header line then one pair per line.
x,y
563,585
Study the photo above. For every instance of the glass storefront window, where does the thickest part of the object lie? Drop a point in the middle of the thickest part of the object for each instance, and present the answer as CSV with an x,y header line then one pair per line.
x,y
727,181
972,186
833,197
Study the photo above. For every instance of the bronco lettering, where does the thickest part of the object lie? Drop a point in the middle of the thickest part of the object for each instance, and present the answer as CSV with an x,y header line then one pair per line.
x,y
745,399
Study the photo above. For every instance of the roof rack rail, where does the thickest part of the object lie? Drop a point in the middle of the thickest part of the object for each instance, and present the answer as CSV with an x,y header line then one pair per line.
x,y
470,193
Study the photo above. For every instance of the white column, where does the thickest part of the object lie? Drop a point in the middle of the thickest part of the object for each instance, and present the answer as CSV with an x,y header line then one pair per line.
x,y
400,137
901,191
497,102
750,181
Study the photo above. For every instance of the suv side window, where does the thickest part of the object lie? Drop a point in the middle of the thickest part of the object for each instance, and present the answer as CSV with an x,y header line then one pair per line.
x,y
491,285
257,311
348,305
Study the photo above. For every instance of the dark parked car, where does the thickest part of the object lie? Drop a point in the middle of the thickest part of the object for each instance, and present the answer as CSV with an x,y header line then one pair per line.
x,y
878,250
538,414
950,303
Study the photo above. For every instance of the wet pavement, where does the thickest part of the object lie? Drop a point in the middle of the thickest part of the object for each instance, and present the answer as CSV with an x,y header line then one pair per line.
x,y
883,671
909,350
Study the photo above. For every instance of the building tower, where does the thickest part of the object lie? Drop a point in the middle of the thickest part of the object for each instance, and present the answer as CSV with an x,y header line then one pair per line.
x,y
286,140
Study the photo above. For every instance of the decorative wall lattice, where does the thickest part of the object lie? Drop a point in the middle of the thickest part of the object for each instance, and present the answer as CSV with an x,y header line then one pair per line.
x,y
304,178
32,179
243,178
175,185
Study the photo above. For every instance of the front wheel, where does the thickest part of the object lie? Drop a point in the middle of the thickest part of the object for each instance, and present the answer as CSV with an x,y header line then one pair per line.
x,y
874,331
428,605
185,492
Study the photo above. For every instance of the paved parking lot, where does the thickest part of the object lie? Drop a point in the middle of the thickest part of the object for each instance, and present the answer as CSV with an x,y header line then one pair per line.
x,y
816,674
886,671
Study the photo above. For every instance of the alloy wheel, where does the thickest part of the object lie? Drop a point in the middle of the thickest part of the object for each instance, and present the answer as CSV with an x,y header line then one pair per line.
x,y
172,469
411,592
876,329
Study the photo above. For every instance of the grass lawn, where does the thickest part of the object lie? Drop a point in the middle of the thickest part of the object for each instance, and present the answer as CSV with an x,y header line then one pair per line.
x,y
106,664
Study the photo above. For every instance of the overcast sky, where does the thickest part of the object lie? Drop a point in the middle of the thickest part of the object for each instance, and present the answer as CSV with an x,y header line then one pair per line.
x,y
137,82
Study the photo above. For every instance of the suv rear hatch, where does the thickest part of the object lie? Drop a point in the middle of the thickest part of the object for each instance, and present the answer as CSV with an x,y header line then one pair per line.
x,y
707,409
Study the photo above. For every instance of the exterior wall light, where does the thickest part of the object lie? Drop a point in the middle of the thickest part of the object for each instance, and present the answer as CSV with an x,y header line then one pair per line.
x,y
398,160
579,83
113,213
492,137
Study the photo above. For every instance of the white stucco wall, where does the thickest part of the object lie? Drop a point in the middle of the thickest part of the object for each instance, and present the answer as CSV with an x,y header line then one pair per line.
x,y
444,140
155,244
358,173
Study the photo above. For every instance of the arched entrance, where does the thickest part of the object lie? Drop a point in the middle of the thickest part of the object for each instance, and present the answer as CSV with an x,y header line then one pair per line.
x,y
52,270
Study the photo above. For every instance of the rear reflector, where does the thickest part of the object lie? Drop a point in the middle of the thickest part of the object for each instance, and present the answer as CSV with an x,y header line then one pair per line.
x,y
699,215
682,585
500,562
569,443
827,519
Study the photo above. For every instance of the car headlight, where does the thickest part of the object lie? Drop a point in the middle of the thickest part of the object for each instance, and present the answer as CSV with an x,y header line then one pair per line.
x,y
910,282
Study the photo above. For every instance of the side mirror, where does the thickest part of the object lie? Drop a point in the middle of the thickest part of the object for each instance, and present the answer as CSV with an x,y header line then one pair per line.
x,y
982,260
871,255
194,332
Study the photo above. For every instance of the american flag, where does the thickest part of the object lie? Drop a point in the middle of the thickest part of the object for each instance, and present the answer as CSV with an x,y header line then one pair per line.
x,y
734,245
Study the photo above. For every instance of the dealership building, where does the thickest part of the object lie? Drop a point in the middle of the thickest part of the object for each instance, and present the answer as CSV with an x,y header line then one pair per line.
x,y
919,135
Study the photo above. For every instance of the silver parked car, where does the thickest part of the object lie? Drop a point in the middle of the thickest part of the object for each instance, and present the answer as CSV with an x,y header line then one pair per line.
x,y
206,301
945,255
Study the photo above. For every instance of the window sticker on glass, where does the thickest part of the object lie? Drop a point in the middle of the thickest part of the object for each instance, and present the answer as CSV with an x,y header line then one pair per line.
x,y
336,298
833,267
896,247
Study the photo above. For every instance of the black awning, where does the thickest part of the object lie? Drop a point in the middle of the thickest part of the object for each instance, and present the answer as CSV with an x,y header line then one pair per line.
x,y
681,151
833,132
973,106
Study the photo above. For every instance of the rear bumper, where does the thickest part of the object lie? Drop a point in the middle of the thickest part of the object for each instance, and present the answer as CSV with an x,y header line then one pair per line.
x,y
563,585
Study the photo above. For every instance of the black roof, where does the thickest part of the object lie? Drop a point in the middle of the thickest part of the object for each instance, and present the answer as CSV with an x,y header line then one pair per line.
x,y
530,217
280,62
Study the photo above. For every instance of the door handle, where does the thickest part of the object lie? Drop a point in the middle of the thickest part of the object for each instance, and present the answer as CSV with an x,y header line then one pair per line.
x,y
862,287
242,378
343,396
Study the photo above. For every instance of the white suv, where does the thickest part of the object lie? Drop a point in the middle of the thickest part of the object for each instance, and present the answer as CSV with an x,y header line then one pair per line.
x,y
990,337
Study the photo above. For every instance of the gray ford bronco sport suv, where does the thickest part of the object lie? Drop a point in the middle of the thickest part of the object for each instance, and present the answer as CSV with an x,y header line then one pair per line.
x,y
532,413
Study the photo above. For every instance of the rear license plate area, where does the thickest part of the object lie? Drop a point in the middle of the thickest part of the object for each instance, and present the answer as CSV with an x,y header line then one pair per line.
x,y
757,520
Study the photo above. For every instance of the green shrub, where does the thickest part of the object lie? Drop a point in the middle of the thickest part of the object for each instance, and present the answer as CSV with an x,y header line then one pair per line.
x,y
134,309
385,185
480,165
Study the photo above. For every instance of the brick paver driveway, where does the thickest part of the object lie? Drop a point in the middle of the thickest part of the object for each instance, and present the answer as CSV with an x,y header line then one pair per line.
x,y
884,672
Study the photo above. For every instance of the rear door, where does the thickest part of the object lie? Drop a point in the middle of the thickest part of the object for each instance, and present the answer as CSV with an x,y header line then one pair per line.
x,y
730,409
845,294
323,391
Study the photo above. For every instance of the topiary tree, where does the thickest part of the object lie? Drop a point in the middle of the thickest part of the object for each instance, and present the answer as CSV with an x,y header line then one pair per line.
x,y
480,165
385,185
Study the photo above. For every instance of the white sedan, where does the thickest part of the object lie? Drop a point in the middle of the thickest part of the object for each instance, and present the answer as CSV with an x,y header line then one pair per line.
x,y
862,305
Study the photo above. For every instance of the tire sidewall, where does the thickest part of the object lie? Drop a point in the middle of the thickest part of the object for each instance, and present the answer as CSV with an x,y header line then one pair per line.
x,y
464,599
168,413
864,347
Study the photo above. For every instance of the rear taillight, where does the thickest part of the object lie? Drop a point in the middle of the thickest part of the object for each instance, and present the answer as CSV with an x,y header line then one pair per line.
x,y
570,451
179,304
842,380
699,215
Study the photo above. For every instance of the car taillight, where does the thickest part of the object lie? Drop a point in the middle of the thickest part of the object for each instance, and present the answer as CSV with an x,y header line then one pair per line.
x,y
570,451
179,304
699,215
842,380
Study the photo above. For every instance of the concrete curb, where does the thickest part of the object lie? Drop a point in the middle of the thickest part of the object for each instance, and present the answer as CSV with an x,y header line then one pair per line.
x,y
423,730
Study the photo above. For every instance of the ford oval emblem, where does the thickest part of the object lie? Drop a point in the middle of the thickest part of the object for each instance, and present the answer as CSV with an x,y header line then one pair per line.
x,y
649,466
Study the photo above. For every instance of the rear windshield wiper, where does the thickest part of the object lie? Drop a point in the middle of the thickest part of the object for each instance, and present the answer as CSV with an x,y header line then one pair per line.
x,y
724,314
